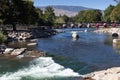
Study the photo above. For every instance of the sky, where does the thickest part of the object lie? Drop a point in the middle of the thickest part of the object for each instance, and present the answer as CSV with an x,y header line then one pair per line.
x,y
96,4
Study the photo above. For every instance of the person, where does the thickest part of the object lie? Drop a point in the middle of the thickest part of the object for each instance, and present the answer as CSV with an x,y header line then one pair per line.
x,y
88,25
104,25
114,25
97,25
79,25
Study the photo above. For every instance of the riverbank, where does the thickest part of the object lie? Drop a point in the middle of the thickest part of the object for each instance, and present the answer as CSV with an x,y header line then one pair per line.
x,y
29,34
108,30
23,52
108,74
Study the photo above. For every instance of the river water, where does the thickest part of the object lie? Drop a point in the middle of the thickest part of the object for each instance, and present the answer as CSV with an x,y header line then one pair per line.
x,y
67,59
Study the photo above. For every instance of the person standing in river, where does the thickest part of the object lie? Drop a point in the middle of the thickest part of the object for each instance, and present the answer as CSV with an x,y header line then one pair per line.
x,y
105,25
114,24
97,25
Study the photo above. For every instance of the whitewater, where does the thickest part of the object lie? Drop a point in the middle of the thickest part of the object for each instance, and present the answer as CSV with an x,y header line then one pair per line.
x,y
40,68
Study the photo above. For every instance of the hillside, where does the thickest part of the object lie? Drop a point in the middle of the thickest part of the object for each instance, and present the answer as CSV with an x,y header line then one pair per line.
x,y
66,10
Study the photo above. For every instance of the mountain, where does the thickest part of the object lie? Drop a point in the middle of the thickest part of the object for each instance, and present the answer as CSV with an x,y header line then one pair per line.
x,y
70,8
66,10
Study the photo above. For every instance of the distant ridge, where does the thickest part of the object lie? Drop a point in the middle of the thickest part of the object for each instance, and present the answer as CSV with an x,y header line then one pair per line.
x,y
66,10
71,8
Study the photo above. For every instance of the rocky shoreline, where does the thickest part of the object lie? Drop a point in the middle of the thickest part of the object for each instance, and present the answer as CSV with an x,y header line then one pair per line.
x,y
108,30
108,74
26,35
24,52
30,34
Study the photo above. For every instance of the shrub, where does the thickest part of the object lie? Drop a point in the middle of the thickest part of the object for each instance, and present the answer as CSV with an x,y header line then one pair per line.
x,y
3,38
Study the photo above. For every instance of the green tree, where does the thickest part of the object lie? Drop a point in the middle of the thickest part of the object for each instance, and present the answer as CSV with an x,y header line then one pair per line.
x,y
28,14
3,10
65,18
49,16
80,17
59,20
115,15
107,13
93,15
40,17
89,16
18,12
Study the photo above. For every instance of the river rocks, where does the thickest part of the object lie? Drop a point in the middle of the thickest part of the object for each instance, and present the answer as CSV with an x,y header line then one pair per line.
x,y
75,35
116,41
115,32
19,35
35,53
34,40
30,34
8,50
18,51
109,74
32,44
105,30
115,35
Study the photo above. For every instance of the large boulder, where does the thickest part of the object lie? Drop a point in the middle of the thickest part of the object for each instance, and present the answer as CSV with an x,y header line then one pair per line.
x,y
8,50
18,51
109,74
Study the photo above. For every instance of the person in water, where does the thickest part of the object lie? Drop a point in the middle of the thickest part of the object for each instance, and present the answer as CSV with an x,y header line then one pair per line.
x,y
97,25
104,25
113,24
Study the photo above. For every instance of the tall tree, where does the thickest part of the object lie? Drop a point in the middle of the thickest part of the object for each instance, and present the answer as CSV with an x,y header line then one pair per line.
x,y
40,17
65,18
49,16
4,10
22,12
107,13
115,15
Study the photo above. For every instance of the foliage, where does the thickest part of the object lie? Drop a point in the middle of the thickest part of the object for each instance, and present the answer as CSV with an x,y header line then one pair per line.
x,y
59,20
18,12
65,18
49,16
40,17
89,16
107,13
3,38
115,15
23,12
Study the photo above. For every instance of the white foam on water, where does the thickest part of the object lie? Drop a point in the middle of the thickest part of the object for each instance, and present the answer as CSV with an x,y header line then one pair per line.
x,y
43,67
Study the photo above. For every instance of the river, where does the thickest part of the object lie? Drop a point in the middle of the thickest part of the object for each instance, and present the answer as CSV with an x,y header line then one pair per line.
x,y
67,59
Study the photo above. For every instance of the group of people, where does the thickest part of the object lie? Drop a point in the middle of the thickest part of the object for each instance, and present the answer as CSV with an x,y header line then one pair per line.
x,y
88,25
105,25
97,25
